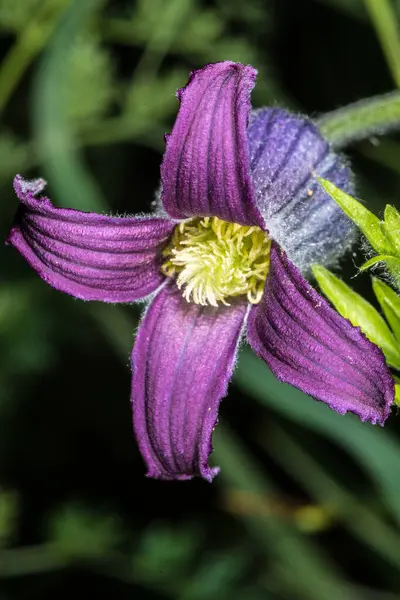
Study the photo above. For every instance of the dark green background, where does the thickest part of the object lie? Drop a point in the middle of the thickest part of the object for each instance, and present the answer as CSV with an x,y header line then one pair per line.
x,y
308,503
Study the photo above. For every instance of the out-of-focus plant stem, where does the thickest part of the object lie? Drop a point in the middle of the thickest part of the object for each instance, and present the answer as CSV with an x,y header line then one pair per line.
x,y
357,516
361,120
384,19
47,558
306,573
30,560
27,46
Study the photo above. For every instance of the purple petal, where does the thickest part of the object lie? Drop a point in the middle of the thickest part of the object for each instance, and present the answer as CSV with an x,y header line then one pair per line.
x,y
286,152
307,344
206,170
90,256
182,362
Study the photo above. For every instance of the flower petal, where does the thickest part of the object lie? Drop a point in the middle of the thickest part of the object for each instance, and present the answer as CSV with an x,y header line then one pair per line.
x,y
90,256
182,362
206,170
286,152
307,344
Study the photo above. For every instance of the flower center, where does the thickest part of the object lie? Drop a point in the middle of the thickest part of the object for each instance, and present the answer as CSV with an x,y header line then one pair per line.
x,y
214,260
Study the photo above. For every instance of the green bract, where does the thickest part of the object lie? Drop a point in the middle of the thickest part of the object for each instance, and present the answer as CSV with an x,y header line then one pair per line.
x,y
384,236
390,304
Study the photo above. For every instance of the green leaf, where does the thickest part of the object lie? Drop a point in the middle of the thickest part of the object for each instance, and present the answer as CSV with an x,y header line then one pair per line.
x,y
390,304
397,394
383,18
359,312
384,258
392,226
369,224
392,264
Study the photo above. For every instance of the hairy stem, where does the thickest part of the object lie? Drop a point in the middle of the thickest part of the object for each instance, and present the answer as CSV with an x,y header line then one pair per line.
x,y
373,116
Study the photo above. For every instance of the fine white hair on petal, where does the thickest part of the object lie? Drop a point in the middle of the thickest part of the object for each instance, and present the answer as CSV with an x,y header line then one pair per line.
x,y
319,234
287,153
33,186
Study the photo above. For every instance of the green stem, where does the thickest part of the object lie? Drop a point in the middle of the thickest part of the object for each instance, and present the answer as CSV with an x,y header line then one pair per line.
x,y
27,46
384,20
360,120
19,562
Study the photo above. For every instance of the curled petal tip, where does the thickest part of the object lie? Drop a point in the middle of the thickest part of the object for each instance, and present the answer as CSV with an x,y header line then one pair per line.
x,y
87,255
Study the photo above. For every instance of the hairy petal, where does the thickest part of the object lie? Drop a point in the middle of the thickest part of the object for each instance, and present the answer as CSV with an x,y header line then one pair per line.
x,y
307,344
90,256
182,361
286,152
205,170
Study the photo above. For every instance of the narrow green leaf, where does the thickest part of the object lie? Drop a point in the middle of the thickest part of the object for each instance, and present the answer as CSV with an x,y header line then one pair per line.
x,y
383,258
361,313
383,17
397,394
369,224
392,227
392,265
390,304
392,218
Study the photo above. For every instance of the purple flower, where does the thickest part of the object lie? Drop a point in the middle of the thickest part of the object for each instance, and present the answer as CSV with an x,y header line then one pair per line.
x,y
241,219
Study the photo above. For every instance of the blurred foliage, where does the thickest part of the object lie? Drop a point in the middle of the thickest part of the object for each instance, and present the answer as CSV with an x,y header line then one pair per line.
x,y
90,86
307,502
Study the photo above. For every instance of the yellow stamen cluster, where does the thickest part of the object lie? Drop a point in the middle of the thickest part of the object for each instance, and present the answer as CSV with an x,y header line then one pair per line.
x,y
214,260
